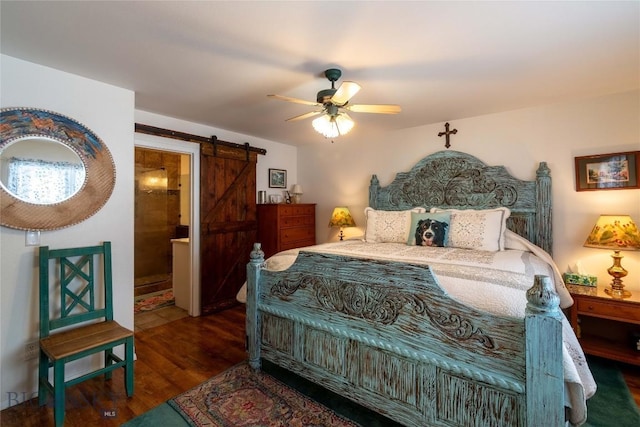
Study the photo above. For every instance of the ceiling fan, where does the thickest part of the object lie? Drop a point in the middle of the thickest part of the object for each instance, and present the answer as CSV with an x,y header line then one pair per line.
x,y
333,105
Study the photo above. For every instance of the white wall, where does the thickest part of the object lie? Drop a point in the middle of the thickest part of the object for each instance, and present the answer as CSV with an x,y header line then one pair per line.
x,y
108,111
518,139
279,156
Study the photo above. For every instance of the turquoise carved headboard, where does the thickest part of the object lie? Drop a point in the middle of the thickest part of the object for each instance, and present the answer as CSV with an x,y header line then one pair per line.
x,y
451,179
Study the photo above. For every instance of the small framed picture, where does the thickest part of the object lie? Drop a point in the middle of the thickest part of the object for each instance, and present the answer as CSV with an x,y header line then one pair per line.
x,y
615,171
277,178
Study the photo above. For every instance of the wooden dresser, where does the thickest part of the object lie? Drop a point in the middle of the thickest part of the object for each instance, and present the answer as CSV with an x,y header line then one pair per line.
x,y
605,326
285,226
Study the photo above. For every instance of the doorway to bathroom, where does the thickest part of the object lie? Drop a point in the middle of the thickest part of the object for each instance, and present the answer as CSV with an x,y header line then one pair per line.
x,y
161,216
164,214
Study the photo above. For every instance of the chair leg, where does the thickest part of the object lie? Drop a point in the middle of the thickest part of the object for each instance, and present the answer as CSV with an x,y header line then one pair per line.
x,y
108,360
58,392
128,367
43,378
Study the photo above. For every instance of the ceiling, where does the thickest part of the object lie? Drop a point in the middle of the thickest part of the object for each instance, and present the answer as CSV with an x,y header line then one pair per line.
x,y
214,62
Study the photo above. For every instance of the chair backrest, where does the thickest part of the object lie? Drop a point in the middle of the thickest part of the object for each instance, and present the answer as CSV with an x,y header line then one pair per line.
x,y
73,277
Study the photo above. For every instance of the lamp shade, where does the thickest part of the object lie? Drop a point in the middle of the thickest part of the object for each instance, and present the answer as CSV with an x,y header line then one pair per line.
x,y
617,232
332,126
341,217
296,189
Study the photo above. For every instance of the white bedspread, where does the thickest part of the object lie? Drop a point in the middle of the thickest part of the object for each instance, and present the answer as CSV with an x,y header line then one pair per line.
x,y
499,281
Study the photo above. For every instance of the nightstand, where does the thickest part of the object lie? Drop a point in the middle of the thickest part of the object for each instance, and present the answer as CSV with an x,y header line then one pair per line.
x,y
606,327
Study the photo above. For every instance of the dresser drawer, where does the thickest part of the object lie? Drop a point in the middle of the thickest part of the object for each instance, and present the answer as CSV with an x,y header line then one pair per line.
x,y
609,310
287,210
291,235
297,221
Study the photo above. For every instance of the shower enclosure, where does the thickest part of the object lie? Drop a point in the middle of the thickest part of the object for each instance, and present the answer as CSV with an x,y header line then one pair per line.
x,y
157,218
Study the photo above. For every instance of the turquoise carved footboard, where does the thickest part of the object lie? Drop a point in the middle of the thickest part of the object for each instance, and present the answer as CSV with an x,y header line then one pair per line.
x,y
385,335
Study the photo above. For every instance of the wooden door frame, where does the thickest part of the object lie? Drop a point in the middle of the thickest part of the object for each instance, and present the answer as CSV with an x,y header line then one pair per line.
x,y
193,151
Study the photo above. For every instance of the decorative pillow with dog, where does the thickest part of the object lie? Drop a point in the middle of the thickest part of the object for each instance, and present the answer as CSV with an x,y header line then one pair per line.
x,y
429,229
477,229
388,226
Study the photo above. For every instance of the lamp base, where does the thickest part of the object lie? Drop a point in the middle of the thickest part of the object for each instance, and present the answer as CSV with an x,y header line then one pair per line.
x,y
617,293
617,272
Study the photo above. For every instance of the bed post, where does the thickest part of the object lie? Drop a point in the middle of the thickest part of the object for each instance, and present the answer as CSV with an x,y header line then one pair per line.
x,y
253,320
545,373
374,189
544,237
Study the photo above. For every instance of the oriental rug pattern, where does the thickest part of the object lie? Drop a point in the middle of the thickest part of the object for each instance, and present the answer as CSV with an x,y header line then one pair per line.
x,y
153,301
242,397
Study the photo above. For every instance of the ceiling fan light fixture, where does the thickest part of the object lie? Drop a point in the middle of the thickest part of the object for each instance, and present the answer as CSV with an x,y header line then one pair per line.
x,y
332,126
333,105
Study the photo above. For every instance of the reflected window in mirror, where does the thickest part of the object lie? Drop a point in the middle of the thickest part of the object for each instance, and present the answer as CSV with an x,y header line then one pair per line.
x,y
42,182
41,170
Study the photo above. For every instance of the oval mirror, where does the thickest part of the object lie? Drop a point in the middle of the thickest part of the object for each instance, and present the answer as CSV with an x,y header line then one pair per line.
x,y
41,170
54,172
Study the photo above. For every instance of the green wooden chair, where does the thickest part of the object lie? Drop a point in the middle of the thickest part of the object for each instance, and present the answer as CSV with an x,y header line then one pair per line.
x,y
76,297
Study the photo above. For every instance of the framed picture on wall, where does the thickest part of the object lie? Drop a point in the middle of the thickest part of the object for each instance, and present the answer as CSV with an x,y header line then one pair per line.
x,y
615,171
277,178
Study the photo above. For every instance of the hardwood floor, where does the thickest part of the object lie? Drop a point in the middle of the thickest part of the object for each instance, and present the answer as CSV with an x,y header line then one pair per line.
x,y
160,316
172,358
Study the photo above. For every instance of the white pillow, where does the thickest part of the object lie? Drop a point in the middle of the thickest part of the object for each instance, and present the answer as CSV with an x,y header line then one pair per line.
x,y
515,241
477,229
388,226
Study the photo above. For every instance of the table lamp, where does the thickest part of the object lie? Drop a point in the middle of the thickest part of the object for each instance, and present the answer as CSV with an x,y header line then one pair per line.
x,y
341,217
296,193
617,232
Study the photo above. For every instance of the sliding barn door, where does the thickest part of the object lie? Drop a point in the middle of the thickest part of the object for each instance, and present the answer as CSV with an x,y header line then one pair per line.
x,y
228,221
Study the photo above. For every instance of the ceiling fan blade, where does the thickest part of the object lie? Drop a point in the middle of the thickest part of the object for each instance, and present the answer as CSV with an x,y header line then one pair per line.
x,y
296,100
345,92
379,108
303,116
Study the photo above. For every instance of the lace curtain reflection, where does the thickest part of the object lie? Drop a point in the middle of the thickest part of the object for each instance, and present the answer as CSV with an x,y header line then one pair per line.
x,y
43,182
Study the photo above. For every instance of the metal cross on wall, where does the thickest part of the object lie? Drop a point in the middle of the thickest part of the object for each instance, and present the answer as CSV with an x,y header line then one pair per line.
x,y
447,132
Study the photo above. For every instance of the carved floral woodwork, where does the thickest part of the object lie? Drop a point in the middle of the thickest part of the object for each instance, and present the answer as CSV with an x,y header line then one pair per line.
x,y
379,304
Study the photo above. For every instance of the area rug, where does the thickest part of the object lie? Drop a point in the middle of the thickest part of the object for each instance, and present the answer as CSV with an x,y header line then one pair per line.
x,y
241,396
612,405
153,301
